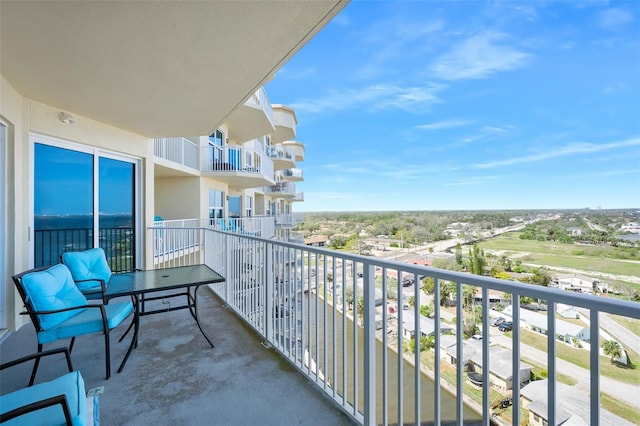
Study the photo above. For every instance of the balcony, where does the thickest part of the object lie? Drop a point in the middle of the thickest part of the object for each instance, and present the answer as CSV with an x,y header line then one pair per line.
x,y
299,300
281,158
239,166
175,377
292,175
252,119
175,157
284,119
298,197
289,220
263,227
295,148
282,190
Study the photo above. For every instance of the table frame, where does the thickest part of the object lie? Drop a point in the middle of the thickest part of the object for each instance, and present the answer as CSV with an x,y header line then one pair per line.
x,y
139,284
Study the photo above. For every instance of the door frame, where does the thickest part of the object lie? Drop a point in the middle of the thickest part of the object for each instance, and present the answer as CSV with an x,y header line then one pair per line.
x,y
97,153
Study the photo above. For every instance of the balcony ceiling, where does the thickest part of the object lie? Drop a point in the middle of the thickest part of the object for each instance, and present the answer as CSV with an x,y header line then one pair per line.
x,y
241,180
247,122
159,69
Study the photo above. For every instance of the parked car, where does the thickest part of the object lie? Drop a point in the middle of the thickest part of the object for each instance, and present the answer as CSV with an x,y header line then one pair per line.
x,y
506,326
494,322
477,337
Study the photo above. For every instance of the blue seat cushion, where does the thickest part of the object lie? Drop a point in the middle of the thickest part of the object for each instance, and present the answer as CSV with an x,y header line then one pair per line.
x,y
87,321
71,385
88,265
53,289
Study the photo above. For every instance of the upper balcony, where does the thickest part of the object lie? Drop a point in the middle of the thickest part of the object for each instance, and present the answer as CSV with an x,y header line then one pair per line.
x,y
295,148
252,119
282,159
285,121
175,157
238,166
291,175
282,190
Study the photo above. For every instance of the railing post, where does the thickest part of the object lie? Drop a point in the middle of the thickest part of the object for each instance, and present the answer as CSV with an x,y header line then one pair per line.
x,y
369,347
268,294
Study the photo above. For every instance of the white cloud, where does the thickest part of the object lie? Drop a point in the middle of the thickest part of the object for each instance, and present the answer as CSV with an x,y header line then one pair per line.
x,y
445,124
480,180
614,19
478,57
572,149
375,97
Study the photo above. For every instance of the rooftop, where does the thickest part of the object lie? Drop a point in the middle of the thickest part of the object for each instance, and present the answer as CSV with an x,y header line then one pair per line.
x,y
175,377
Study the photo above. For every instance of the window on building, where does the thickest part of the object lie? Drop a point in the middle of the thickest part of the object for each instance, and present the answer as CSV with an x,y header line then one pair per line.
x,y
216,206
248,206
215,147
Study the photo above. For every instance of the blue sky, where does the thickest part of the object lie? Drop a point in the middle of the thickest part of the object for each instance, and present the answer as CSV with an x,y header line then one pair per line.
x,y
455,105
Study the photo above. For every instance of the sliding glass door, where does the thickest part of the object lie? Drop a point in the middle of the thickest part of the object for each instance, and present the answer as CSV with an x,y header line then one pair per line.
x,y
83,198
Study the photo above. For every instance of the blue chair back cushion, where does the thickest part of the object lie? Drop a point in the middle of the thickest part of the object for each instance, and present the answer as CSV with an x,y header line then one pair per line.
x,y
71,385
53,289
87,265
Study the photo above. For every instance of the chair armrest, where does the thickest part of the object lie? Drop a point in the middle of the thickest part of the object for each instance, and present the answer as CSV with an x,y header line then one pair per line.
x,y
103,285
55,311
39,405
39,355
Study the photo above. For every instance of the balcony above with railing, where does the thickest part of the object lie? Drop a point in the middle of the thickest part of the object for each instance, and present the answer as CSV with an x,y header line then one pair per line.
x,y
175,157
285,121
239,166
281,190
298,197
252,119
295,148
291,175
282,159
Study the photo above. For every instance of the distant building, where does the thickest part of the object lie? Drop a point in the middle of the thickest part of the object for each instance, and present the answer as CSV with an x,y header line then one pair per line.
x,y
565,331
427,325
572,406
579,283
316,241
500,361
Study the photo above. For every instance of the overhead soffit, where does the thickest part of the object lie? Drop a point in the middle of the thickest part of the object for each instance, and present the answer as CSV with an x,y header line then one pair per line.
x,y
160,68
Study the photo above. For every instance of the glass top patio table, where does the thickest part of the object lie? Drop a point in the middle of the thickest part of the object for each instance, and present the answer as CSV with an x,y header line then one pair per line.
x,y
141,282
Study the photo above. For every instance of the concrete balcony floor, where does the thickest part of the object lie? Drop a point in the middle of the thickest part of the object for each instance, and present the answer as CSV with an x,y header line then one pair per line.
x,y
175,377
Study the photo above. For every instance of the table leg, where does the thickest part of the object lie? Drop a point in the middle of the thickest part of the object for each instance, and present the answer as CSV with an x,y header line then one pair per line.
x,y
134,338
195,308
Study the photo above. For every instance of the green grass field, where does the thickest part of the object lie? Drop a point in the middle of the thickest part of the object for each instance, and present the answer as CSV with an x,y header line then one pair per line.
x,y
595,259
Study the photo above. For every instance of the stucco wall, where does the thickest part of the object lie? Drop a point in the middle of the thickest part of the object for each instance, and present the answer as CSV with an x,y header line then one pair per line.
x,y
26,117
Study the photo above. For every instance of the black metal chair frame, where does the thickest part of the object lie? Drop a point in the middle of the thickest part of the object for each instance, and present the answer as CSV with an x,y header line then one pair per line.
x,y
35,320
38,405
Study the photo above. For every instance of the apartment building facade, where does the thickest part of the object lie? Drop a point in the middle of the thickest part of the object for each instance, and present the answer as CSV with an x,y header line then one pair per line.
x,y
97,125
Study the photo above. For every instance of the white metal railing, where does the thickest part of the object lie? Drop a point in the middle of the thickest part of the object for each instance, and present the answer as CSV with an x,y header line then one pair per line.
x,y
258,226
299,196
289,219
279,152
352,345
292,173
261,99
179,150
239,159
287,189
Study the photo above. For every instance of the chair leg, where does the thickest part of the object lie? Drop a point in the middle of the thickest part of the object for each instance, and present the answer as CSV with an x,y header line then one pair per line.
x,y
107,353
73,340
35,366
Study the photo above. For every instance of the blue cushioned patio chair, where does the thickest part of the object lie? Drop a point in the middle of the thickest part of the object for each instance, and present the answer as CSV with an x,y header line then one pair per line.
x,y
58,310
61,401
90,271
